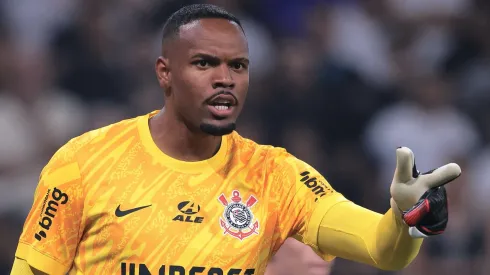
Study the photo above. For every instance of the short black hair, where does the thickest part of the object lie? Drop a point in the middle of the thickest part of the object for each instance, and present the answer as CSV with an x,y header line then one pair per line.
x,y
192,13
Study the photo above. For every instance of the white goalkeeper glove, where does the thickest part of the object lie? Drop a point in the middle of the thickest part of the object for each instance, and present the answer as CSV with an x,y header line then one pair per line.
x,y
421,199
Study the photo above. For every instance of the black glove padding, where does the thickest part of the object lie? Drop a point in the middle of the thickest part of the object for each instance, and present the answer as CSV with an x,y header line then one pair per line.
x,y
430,215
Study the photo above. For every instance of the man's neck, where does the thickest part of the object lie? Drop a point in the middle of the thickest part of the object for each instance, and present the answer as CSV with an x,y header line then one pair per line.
x,y
176,140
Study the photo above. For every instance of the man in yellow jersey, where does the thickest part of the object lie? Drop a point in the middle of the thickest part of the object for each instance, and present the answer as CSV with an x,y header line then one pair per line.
x,y
178,191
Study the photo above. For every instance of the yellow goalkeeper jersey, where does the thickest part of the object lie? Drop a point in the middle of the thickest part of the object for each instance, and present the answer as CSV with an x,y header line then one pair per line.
x,y
110,202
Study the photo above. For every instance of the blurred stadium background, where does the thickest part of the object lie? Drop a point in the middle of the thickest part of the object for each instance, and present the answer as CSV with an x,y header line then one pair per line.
x,y
340,83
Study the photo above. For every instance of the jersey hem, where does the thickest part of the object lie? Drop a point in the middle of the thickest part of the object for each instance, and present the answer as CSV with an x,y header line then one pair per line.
x,y
39,260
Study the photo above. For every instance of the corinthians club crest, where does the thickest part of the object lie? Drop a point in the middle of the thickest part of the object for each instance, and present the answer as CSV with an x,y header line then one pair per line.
x,y
238,218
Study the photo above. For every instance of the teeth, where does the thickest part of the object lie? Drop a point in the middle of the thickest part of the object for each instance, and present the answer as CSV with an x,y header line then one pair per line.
x,y
221,107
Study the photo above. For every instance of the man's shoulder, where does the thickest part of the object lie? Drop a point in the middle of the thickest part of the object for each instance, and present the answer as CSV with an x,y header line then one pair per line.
x,y
107,133
242,145
90,140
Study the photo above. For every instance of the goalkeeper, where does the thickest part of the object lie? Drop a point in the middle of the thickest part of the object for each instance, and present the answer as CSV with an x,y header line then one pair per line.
x,y
178,191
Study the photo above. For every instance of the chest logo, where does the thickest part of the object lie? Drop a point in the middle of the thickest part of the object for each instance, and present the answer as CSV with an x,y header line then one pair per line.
x,y
237,217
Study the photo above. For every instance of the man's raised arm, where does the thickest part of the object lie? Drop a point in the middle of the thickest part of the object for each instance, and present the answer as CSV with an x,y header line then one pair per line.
x,y
333,226
391,241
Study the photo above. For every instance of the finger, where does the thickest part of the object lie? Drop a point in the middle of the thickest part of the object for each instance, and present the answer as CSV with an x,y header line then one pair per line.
x,y
442,175
405,163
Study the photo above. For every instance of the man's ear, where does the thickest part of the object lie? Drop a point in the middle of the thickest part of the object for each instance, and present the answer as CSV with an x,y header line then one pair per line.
x,y
162,70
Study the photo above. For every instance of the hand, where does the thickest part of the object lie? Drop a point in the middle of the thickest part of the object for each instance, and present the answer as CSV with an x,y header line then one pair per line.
x,y
421,198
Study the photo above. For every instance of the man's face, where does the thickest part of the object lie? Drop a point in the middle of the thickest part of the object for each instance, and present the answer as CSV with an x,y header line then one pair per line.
x,y
205,73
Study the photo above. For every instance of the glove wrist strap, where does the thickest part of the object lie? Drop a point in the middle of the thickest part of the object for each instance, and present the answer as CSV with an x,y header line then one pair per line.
x,y
415,233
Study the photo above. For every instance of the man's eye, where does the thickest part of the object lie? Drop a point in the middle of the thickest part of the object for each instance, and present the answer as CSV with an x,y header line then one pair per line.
x,y
238,66
202,63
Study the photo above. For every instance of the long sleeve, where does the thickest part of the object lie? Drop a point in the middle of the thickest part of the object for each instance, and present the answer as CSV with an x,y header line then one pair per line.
x,y
358,234
316,214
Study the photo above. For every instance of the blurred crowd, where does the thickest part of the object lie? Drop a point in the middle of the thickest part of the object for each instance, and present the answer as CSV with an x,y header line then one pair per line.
x,y
339,83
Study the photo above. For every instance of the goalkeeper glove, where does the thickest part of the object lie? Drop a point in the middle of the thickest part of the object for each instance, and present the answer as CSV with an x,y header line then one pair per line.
x,y
421,199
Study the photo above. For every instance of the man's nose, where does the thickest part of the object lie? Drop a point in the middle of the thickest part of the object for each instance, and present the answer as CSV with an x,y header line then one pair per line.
x,y
223,78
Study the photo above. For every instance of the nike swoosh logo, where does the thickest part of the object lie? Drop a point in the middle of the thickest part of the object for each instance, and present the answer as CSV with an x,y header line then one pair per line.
x,y
121,213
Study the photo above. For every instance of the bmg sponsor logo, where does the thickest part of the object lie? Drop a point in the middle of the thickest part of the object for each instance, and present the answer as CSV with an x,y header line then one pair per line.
x,y
142,269
46,220
316,186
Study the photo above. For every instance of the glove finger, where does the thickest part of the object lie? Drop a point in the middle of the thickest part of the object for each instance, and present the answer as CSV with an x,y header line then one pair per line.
x,y
441,175
405,165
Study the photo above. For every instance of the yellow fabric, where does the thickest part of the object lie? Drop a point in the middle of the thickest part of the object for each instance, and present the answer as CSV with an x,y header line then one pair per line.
x,y
39,260
355,233
21,267
311,237
78,222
